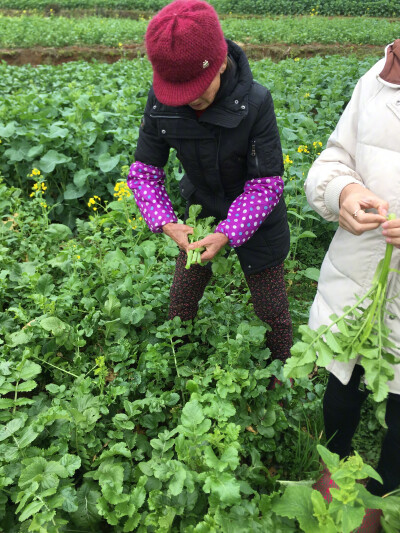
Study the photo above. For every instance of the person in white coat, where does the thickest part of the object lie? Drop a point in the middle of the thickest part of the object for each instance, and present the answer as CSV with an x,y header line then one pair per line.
x,y
356,181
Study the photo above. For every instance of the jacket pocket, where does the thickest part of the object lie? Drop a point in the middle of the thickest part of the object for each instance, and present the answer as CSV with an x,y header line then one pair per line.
x,y
394,105
186,188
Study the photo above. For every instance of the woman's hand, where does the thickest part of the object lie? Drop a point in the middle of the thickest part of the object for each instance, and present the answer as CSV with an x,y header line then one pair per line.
x,y
391,231
353,200
212,243
178,233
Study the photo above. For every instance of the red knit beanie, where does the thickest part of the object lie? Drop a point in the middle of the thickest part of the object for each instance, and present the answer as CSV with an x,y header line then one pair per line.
x,y
186,47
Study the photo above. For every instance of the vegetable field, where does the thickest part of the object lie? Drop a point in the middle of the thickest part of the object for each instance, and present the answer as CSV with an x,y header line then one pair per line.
x,y
113,418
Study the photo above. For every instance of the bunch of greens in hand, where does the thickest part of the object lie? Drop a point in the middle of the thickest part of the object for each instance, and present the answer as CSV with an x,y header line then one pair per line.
x,y
361,331
349,500
201,228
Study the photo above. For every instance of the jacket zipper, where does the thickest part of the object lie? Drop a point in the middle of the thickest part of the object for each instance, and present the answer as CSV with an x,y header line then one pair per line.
x,y
218,147
254,154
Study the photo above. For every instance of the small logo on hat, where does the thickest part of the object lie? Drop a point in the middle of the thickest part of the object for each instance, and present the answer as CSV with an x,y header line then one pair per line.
x,y
206,64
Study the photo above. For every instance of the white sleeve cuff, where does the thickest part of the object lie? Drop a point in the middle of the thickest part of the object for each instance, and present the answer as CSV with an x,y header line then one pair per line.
x,y
333,190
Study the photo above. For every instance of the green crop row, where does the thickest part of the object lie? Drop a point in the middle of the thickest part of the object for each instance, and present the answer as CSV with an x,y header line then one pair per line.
x,y
114,418
380,8
28,31
78,124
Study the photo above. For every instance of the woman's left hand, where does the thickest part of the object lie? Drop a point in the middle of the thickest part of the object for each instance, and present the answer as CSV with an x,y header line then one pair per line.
x,y
391,232
212,243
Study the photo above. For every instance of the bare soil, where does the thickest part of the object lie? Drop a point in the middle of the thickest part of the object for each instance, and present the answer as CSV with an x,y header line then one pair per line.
x,y
55,56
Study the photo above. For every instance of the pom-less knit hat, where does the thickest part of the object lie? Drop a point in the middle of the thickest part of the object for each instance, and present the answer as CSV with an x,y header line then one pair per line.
x,y
186,47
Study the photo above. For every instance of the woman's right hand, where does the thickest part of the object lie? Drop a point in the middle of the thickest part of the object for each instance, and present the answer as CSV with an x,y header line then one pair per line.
x,y
178,233
353,201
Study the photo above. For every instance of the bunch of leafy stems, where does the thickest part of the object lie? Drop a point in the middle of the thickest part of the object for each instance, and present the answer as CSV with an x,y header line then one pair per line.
x,y
375,311
194,256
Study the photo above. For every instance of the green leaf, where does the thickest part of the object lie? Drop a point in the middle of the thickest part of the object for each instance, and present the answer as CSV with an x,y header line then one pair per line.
x,y
35,151
332,342
177,480
330,459
224,486
8,130
45,285
130,315
31,509
10,428
26,386
147,249
29,370
70,502
52,158
324,353
70,463
72,192
87,514
107,163
59,232
351,517
311,273
80,177
111,475
296,503
120,448
192,414
55,325
18,338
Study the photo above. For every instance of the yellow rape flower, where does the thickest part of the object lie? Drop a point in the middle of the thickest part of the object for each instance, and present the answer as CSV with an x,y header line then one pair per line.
x,y
93,201
297,59
122,190
303,148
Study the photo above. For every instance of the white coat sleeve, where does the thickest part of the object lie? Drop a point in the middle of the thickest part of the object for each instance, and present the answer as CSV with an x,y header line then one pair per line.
x,y
335,167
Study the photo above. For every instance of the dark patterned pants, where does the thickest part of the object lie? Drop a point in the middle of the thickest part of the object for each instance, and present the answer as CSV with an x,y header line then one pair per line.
x,y
268,295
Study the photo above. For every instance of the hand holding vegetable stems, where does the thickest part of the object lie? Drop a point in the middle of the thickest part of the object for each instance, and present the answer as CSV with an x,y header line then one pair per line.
x,y
354,199
178,233
212,242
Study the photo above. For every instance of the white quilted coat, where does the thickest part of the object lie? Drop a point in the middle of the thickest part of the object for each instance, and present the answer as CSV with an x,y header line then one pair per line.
x,y
365,147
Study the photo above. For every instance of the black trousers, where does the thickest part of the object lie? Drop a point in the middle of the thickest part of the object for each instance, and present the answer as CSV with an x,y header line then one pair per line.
x,y
342,413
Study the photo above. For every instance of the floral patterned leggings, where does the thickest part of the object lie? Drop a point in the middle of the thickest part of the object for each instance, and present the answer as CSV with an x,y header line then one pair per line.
x,y
267,292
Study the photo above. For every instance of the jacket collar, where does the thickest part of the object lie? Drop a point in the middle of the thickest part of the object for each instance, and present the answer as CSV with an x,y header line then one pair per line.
x,y
386,75
231,102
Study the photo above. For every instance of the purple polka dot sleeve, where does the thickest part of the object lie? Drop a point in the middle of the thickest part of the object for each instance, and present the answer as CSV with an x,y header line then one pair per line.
x,y
250,209
147,184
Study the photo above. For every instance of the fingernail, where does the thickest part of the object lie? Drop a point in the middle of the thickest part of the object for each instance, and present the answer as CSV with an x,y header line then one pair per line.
x,y
384,225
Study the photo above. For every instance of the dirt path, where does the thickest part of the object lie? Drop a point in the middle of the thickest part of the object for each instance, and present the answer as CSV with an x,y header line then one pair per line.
x,y
55,56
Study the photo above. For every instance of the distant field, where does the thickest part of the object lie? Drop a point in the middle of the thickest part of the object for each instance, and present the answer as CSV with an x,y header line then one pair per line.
x,y
380,8
35,30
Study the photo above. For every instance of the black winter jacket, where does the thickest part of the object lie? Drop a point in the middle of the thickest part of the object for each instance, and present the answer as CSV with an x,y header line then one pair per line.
x,y
235,140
